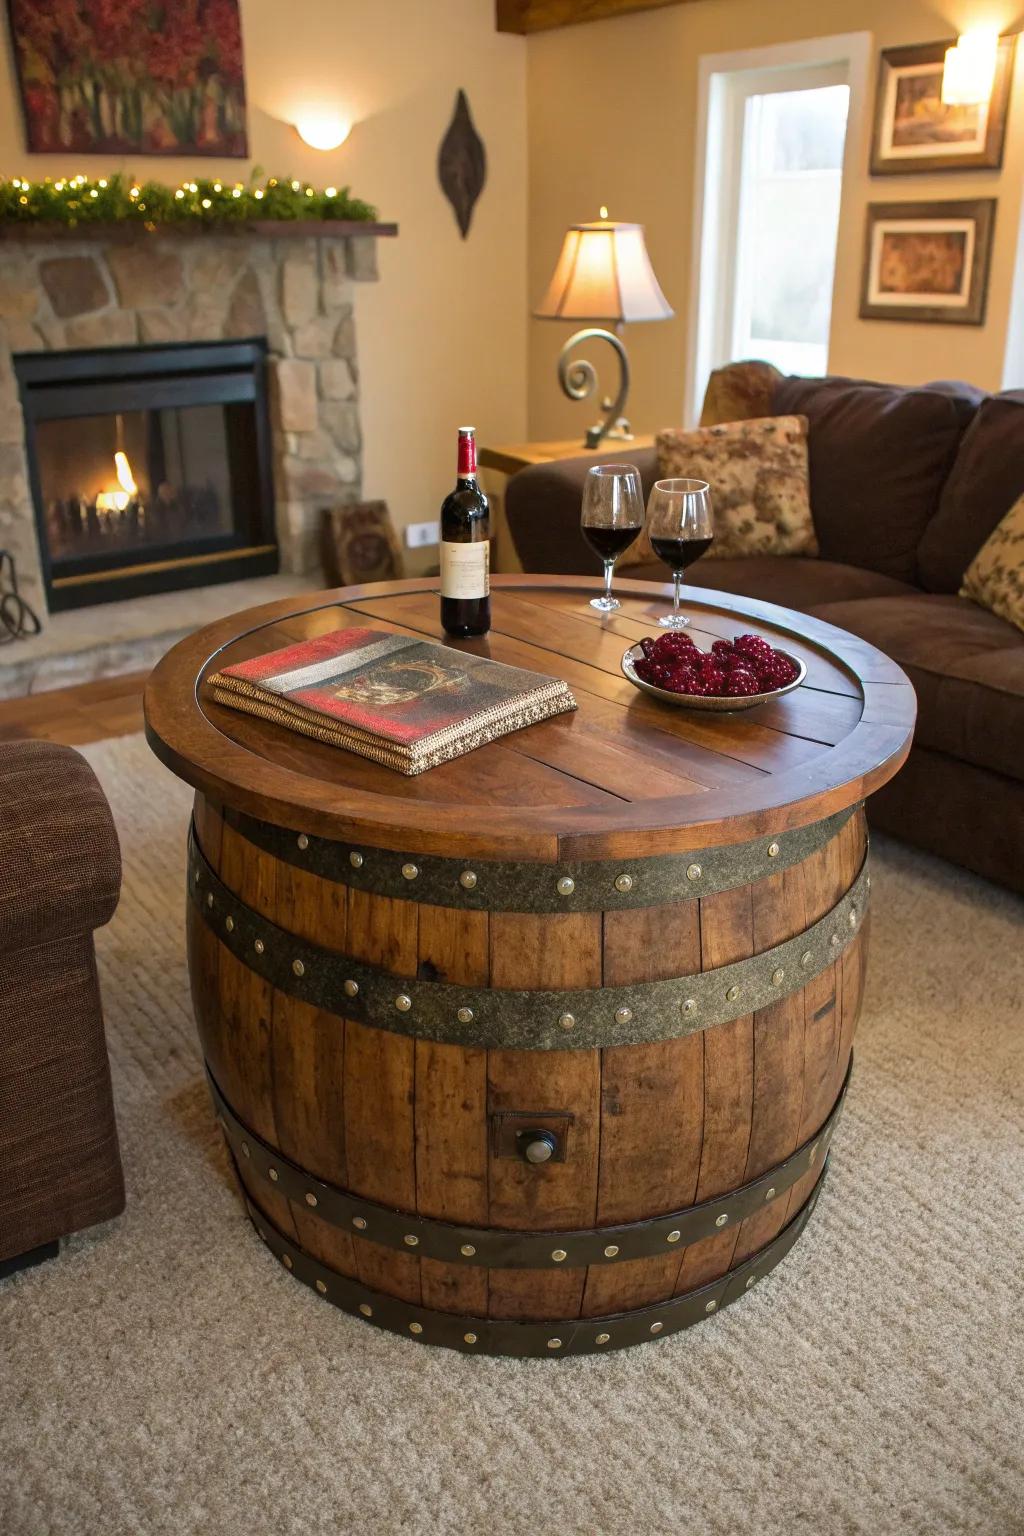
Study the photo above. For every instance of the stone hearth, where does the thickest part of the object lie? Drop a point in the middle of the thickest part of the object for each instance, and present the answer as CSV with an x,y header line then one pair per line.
x,y
59,292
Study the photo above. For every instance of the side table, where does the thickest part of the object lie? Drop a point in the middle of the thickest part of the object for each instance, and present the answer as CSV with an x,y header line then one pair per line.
x,y
500,462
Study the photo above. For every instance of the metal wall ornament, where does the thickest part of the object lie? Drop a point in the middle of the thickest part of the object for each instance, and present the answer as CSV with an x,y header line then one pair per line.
x,y
462,164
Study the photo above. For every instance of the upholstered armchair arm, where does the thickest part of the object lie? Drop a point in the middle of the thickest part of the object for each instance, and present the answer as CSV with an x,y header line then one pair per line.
x,y
542,509
60,863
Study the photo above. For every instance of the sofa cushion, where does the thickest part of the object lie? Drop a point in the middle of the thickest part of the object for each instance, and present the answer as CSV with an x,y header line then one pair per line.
x,y
966,664
985,481
879,457
796,583
739,391
995,577
757,470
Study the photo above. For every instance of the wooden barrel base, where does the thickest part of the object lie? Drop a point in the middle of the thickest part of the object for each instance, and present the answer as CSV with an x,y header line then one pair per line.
x,y
267,1172
538,1340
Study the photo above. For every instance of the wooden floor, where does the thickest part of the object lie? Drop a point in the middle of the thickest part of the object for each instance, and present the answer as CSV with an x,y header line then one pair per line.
x,y
110,707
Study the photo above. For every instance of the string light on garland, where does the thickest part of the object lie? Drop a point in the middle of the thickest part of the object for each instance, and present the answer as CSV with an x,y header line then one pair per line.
x,y
119,199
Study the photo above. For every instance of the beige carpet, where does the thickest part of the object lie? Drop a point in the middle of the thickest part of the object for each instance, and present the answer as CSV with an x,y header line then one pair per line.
x,y
166,1375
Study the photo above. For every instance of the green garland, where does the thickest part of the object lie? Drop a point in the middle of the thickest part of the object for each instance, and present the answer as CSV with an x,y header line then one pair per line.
x,y
118,199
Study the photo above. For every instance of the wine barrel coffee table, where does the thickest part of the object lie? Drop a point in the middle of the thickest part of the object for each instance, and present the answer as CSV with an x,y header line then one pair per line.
x,y
540,1052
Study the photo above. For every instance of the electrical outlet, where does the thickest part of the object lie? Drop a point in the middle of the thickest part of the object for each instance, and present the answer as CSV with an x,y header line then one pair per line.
x,y
420,535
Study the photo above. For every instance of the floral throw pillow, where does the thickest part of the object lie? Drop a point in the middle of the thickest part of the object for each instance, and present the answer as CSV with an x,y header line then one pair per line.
x,y
995,577
757,471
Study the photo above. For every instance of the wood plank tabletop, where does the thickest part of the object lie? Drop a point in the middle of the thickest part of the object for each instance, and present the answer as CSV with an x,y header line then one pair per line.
x,y
623,774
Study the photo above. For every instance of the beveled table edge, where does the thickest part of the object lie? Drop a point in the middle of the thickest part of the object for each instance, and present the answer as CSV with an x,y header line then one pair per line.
x,y
187,741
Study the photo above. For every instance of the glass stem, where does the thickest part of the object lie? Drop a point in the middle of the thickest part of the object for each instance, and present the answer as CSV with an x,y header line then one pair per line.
x,y
678,577
609,567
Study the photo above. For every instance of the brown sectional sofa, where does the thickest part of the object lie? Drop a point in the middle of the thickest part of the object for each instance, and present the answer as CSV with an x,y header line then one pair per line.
x,y
60,876
906,485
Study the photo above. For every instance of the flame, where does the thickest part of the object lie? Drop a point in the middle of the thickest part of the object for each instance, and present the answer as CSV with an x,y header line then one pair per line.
x,y
125,477
117,501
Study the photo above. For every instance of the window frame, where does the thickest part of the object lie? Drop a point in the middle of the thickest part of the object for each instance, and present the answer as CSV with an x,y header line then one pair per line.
x,y
726,81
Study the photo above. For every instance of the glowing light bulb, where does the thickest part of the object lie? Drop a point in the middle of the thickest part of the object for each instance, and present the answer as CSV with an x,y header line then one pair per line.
x,y
603,211
322,128
258,195
179,193
217,187
330,191
101,183
206,202
236,192
970,68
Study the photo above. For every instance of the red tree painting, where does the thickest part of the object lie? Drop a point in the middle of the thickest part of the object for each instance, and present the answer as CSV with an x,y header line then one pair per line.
x,y
157,77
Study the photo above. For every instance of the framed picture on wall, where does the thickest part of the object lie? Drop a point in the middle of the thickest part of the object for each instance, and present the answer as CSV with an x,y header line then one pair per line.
x,y
130,78
915,131
928,261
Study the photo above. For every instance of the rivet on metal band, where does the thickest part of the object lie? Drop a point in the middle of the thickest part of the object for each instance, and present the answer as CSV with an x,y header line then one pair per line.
x,y
502,886
507,1019
546,1340
499,1248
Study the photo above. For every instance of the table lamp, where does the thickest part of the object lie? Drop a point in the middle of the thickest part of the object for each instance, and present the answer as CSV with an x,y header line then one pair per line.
x,y
603,273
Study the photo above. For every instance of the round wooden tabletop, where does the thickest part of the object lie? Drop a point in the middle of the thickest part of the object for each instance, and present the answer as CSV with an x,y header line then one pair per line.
x,y
622,774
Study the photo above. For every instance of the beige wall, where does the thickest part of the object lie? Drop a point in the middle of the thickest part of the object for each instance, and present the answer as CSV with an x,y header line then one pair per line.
x,y
441,336
613,120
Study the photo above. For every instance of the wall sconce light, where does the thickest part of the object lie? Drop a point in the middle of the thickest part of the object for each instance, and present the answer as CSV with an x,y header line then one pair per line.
x,y
322,129
970,68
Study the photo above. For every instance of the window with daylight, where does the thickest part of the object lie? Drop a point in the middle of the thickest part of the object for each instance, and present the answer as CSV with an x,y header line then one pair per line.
x,y
790,177
769,189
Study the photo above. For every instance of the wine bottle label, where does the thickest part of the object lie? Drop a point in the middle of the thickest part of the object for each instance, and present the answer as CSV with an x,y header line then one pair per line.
x,y
466,569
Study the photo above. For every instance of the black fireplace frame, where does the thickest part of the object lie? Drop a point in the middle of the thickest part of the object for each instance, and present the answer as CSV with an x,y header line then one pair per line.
x,y
192,373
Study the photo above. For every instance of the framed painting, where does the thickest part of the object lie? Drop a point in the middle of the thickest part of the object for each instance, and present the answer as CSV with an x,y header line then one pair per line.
x,y
915,131
928,261
148,77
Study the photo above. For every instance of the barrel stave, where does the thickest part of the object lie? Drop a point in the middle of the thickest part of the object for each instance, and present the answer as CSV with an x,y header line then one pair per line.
x,y
451,1110
652,1106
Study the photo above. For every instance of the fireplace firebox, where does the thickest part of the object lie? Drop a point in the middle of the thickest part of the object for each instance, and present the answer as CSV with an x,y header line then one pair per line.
x,y
150,468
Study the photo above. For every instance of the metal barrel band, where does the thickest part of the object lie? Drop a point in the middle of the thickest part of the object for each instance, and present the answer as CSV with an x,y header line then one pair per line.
x,y
490,885
509,1019
544,1340
497,1248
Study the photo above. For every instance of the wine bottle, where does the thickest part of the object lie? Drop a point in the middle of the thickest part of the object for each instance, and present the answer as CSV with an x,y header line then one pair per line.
x,y
466,549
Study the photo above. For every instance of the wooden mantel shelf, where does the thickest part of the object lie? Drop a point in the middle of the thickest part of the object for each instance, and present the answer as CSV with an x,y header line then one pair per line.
x,y
276,229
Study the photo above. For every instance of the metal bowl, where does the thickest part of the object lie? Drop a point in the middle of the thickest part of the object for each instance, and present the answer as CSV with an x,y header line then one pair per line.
x,y
698,701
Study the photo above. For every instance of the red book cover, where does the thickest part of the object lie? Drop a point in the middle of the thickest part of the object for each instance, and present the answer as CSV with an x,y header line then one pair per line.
x,y
406,702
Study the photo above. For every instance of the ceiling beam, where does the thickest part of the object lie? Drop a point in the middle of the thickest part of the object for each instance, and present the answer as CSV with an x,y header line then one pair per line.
x,y
524,16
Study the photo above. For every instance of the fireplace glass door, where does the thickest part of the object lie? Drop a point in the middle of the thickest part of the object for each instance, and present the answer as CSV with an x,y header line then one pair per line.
x,y
149,468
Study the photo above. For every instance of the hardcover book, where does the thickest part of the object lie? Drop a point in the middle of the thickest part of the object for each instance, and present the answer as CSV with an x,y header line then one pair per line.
x,y
407,703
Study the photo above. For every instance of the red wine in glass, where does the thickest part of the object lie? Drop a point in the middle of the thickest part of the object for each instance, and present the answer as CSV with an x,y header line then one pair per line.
x,y
680,528
609,543
611,517
677,554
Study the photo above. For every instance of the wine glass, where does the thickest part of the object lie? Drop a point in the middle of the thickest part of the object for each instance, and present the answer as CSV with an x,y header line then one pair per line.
x,y
612,517
680,530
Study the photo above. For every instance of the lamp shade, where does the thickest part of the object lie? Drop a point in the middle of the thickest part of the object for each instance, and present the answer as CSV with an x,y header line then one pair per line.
x,y
604,273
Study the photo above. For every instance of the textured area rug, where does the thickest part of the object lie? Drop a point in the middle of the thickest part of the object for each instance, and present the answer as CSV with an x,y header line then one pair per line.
x,y
167,1375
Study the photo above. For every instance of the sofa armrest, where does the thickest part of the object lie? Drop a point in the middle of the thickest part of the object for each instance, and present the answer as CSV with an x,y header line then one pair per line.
x,y
542,509
60,863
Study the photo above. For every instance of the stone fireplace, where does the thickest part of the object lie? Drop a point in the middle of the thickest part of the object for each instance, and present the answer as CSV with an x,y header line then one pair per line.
x,y
285,289
149,467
